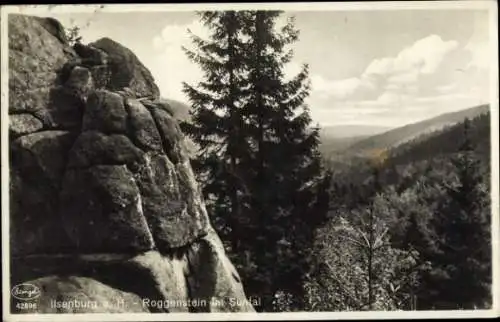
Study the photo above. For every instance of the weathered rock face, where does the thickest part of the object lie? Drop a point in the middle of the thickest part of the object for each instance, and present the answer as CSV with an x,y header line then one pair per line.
x,y
125,71
104,205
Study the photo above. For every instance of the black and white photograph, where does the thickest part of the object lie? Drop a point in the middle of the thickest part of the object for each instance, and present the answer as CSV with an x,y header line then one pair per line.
x,y
234,161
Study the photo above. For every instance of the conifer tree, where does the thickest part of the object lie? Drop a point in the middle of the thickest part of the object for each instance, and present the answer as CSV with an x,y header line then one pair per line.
x,y
462,276
259,161
216,125
287,160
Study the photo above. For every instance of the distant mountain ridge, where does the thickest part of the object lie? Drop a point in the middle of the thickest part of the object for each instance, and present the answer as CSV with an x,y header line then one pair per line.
x,y
446,141
339,137
398,136
181,110
431,148
354,130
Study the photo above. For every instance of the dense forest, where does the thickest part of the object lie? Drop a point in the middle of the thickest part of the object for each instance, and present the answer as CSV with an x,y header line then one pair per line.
x,y
406,228
410,231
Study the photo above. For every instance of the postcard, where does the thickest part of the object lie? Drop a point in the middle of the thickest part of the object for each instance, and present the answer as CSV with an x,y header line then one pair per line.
x,y
250,161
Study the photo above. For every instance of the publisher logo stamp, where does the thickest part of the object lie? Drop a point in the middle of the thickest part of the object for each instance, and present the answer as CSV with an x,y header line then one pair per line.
x,y
25,292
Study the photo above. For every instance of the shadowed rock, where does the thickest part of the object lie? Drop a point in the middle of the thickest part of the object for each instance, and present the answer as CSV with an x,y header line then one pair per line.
x,y
101,210
37,165
126,69
91,56
80,82
105,112
143,127
95,148
171,210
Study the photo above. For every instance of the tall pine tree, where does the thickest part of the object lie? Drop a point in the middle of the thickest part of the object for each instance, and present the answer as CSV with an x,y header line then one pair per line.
x,y
258,151
462,274
216,121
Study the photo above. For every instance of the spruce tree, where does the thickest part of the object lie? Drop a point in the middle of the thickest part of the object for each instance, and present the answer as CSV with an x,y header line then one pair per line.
x,y
287,160
259,160
215,121
462,278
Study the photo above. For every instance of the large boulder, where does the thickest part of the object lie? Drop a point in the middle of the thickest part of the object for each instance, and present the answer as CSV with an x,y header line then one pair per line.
x,y
101,209
126,69
35,58
213,276
104,205
37,166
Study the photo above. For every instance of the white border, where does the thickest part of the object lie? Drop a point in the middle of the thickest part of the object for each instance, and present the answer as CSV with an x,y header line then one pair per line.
x,y
495,164
287,6
303,6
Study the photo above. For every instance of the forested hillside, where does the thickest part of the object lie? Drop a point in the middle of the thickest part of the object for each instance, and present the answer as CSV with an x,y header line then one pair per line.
x,y
446,141
430,148
409,228
339,137
411,132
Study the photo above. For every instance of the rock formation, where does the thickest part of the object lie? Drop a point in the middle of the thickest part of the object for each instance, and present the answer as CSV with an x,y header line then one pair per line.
x,y
104,206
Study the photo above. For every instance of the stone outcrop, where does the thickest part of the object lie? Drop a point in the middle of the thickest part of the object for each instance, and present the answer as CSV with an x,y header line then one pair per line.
x,y
104,205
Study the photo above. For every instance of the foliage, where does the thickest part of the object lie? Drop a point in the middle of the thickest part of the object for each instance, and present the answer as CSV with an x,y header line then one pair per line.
x,y
434,203
359,268
461,222
447,141
258,160
73,35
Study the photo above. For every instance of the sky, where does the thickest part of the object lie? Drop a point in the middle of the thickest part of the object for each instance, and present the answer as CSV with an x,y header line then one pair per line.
x,y
383,68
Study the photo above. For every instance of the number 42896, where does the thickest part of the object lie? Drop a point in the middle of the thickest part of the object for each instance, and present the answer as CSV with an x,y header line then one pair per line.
x,y
26,305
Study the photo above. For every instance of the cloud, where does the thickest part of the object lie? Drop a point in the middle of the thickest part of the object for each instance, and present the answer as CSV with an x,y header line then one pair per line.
x,y
429,77
380,66
174,67
175,35
377,112
387,76
447,88
430,72
424,56
339,89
